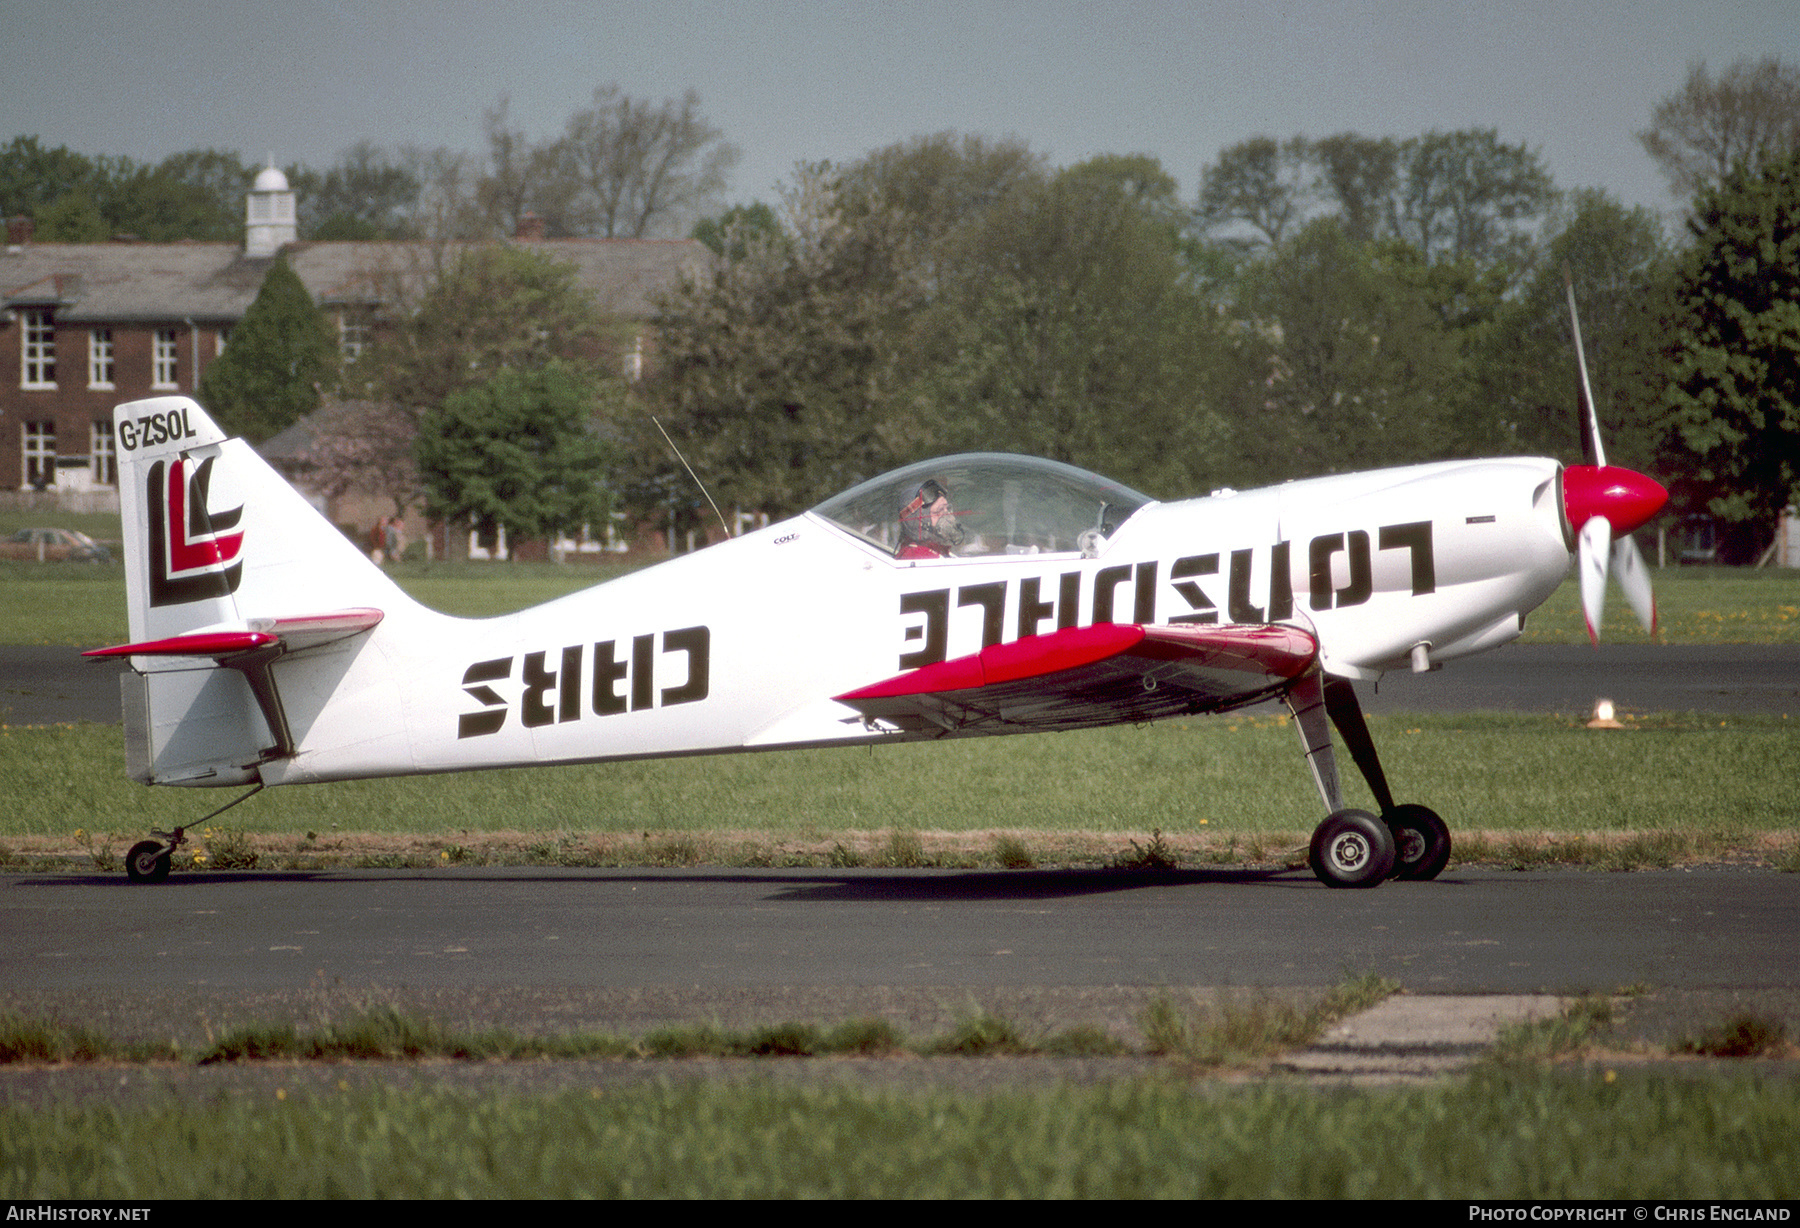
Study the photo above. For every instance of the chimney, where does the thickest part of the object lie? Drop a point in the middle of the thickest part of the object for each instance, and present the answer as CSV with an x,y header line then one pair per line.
x,y
18,230
530,229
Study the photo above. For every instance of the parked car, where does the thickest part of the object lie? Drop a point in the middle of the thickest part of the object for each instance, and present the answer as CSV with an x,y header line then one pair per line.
x,y
54,546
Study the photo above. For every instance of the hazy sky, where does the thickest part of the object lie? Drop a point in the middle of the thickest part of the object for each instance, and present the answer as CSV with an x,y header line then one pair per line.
x,y
790,81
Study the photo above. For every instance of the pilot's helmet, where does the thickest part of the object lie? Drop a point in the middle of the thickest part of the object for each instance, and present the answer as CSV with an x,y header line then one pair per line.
x,y
917,526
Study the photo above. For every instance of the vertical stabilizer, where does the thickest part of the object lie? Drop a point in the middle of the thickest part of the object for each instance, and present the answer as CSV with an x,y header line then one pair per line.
x,y
242,598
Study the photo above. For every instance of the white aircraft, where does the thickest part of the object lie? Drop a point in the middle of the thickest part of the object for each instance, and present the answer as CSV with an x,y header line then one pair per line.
x,y
971,595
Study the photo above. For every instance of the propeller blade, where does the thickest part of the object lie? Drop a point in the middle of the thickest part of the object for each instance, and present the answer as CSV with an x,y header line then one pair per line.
x,y
1633,575
1592,450
1592,548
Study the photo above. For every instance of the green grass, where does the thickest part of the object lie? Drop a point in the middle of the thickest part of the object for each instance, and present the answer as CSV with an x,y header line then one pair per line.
x,y
1502,1134
79,604
1239,1032
1520,789
482,590
383,1033
1694,605
103,527
85,605
1582,1022
1518,1125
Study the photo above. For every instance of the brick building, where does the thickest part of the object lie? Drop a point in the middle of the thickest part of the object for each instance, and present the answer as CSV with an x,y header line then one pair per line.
x,y
91,325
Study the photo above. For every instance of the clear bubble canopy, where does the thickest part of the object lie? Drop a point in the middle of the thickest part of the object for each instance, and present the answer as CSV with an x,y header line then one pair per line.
x,y
996,503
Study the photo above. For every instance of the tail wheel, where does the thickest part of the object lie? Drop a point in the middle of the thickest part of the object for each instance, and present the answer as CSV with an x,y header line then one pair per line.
x,y
1421,842
1352,848
147,862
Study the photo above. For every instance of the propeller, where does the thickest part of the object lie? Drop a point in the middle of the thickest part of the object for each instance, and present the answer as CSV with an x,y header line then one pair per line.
x,y
1604,503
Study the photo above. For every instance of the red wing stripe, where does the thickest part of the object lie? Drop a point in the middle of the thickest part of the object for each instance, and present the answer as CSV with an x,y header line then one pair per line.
x,y
206,644
1029,658
318,628
1268,652
1272,650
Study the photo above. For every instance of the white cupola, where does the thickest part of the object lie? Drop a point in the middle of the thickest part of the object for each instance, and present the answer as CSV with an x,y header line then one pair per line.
x,y
269,219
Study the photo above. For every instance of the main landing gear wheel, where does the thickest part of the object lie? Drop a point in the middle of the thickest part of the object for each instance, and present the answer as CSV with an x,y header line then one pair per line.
x,y
1352,848
1421,842
147,862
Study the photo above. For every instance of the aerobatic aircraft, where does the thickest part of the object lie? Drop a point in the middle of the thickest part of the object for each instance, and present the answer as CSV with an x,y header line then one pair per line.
x,y
964,596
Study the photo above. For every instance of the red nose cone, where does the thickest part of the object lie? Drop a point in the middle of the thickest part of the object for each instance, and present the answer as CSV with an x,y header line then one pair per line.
x,y
1624,497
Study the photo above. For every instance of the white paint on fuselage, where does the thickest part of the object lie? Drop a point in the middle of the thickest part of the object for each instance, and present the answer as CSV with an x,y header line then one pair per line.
x,y
802,610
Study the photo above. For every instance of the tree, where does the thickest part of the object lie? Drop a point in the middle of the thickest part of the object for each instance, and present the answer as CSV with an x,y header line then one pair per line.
x,y
645,168
1361,174
1734,396
280,356
367,195
796,367
366,447
448,207
493,306
195,194
72,218
33,178
777,374
524,178
1348,366
1262,183
1620,264
1467,195
732,233
935,184
1750,113
1071,334
517,452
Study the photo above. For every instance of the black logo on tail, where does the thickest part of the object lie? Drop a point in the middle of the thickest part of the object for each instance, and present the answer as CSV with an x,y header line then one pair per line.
x,y
192,552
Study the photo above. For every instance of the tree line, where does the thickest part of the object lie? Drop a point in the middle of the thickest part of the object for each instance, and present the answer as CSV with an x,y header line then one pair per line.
x,y
1323,305
622,168
1320,305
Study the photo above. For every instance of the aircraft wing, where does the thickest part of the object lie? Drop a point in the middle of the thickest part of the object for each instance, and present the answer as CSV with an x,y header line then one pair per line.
x,y
1088,676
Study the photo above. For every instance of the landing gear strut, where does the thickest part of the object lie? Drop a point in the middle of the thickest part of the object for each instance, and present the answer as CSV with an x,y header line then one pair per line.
x,y
1353,848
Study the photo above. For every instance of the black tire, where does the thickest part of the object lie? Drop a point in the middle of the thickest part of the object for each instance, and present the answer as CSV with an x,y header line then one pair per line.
x,y
147,862
1421,843
1352,848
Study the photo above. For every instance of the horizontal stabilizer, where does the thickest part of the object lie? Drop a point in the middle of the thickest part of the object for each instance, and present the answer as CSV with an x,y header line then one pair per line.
x,y
293,634
1088,676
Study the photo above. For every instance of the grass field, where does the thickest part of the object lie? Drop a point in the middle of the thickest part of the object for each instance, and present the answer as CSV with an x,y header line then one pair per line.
x,y
84,604
1518,789
1514,1135
1217,789
1549,1113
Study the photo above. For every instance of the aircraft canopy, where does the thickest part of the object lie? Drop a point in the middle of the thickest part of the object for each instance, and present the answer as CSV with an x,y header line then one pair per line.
x,y
998,504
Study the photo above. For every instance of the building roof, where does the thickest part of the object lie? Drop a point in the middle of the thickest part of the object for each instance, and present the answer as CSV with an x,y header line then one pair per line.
x,y
101,283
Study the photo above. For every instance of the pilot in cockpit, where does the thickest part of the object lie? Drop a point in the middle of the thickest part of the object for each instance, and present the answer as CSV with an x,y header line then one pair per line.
x,y
928,528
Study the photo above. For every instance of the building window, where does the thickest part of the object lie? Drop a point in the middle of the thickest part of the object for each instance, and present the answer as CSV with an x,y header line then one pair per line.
x,y
39,340
103,459
353,336
100,358
220,337
165,368
40,454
